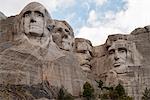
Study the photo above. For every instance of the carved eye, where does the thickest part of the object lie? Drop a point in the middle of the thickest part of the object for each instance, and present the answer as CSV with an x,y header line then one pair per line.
x,y
66,30
50,27
39,14
112,51
60,29
27,14
65,36
83,51
122,50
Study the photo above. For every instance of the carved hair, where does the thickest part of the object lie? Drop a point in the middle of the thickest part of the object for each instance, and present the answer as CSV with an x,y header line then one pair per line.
x,y
133,56
18,27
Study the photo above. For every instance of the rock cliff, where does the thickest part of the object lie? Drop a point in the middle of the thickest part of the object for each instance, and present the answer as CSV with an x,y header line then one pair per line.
x,y
39,55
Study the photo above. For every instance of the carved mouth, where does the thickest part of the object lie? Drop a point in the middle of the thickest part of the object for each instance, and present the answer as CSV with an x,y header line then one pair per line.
x,y
35,34
35,26
116,64
87,65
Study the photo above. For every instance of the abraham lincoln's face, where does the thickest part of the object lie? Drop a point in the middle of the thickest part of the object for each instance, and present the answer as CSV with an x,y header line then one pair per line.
x,y
119,56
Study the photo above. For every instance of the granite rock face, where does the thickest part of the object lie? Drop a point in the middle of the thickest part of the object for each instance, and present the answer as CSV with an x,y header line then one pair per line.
x,y
84,52
63,35
2,16
39,55
29,55
124,59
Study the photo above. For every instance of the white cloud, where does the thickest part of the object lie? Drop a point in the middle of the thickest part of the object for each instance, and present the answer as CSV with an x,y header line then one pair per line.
x,y
65,3
100,2
136,15
13,7
92,18
97,35
86,5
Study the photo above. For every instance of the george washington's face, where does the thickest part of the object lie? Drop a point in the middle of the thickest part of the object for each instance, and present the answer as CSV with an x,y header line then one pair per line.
x,y
34,22
34,18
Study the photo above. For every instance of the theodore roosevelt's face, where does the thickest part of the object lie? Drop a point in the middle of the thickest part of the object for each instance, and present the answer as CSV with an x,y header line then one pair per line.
x,y
84,53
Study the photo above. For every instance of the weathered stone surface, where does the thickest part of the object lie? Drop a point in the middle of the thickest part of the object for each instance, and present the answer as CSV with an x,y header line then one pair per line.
x,y
67,72
84,51
40,55
125,61
2,16
63,35
98,60
26,92
29,55
142,40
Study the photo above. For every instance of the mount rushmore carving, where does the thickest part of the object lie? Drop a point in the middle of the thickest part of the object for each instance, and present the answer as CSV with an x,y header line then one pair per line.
x,y
38,51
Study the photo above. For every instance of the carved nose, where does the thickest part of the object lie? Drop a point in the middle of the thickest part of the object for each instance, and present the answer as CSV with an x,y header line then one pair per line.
x,y
88,56
32,20
116,57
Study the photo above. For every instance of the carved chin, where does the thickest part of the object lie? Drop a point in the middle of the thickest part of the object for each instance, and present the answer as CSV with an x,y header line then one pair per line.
x,y
38,41
34,31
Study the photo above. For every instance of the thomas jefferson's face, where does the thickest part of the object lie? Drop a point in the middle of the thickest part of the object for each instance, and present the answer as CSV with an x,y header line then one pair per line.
x,y
63,36
34,22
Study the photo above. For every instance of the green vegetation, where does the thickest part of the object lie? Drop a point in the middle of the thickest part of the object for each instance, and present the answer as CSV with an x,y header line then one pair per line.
x,y
88,91
113,93
146,94
100,84
10,91
64,95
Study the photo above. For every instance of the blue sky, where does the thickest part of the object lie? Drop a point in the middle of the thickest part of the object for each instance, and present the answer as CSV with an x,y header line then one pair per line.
x,y
91,19
78,13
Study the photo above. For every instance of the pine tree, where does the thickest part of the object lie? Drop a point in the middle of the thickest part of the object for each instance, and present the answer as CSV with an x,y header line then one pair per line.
x,y
100,84
64,95
61,94
146,94
88,92
120,90
115,93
